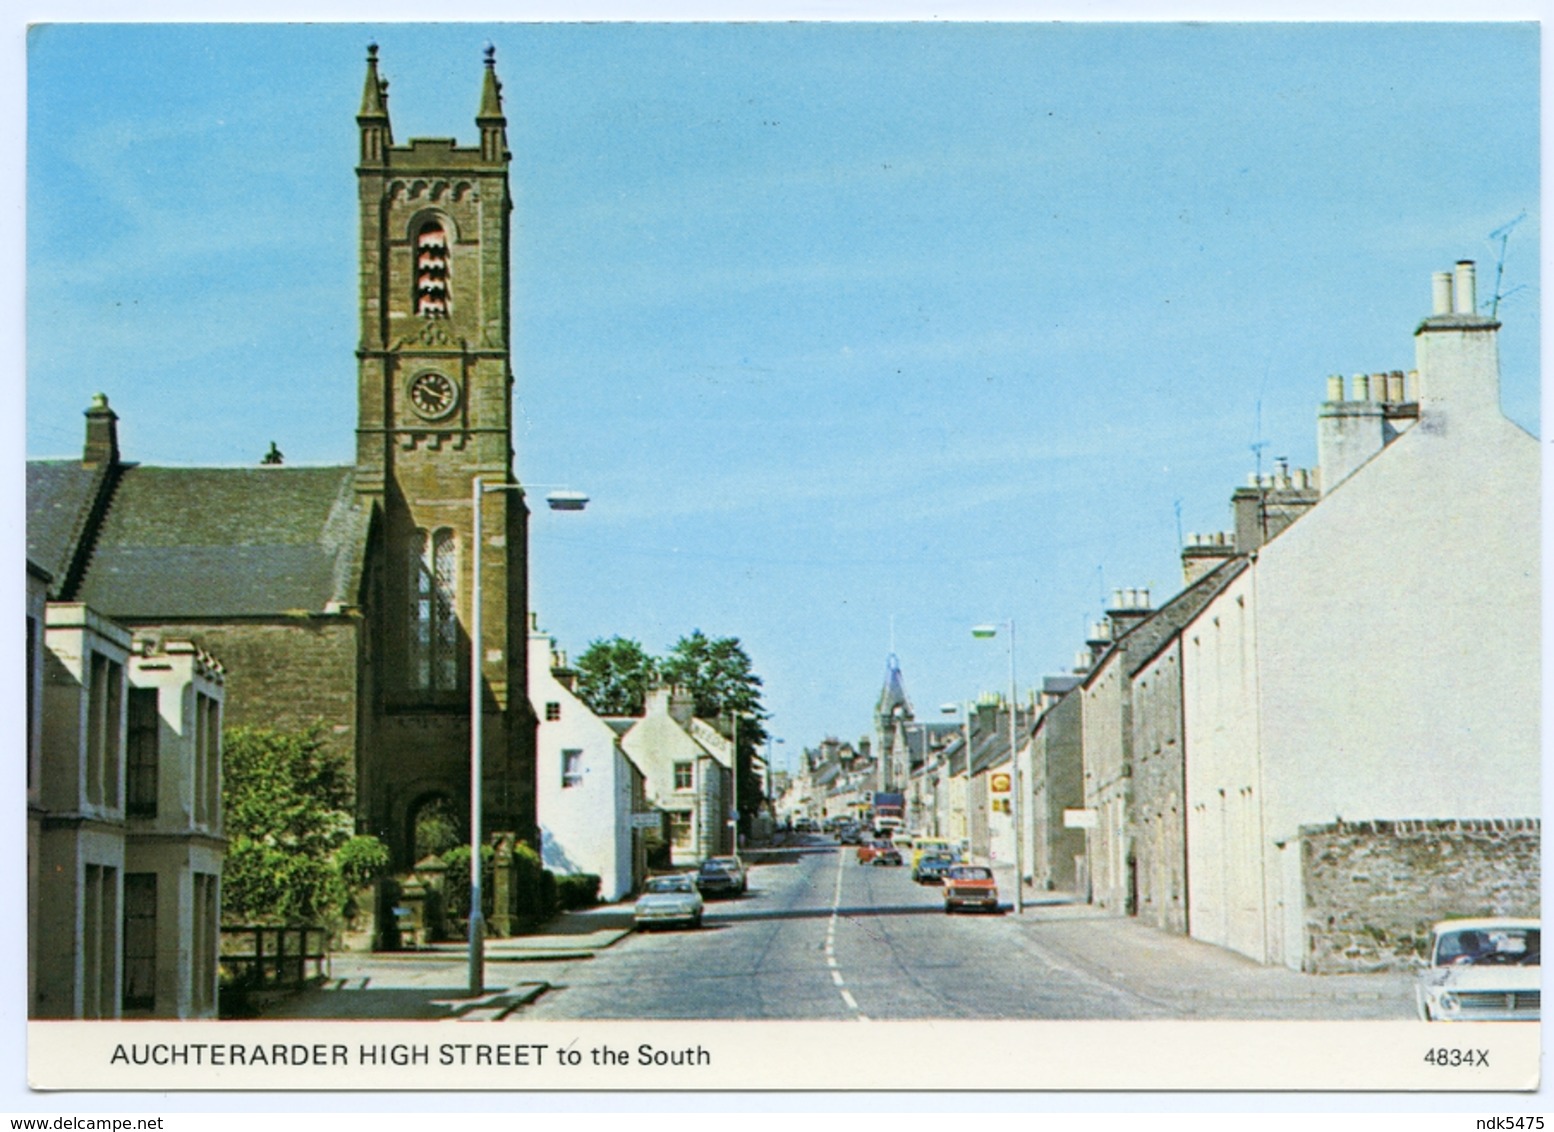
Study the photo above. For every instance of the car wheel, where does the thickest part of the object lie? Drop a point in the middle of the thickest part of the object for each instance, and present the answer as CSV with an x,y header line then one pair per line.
x,y
696,920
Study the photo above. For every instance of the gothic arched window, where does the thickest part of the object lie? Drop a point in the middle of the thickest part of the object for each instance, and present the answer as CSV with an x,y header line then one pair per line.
x,y
434,626
432,264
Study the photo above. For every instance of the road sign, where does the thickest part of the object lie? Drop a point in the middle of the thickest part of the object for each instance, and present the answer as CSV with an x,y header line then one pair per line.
x,y
650,820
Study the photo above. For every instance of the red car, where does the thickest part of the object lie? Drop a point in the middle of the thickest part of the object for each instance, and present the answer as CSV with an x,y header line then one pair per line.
x,y
970,886
872,849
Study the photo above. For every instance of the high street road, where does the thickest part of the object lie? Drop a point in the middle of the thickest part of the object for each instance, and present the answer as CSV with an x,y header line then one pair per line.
x,y
819,937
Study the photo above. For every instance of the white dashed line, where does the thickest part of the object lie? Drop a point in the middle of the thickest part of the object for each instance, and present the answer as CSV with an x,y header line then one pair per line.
x,y
836,975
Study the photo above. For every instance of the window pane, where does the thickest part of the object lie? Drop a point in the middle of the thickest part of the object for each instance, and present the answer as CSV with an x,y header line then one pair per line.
x,y
139,941
142,754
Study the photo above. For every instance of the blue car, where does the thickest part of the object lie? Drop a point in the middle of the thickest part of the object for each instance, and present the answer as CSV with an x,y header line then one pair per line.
x,y
932,867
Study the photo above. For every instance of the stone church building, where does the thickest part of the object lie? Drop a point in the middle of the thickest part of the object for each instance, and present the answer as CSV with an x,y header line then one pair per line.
x,y
340,596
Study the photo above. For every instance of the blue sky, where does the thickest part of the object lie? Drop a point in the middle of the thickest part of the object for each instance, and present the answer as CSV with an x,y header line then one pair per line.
x,y
858,335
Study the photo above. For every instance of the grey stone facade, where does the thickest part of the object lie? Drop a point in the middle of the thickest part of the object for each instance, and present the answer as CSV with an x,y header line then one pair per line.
x,y
1373,888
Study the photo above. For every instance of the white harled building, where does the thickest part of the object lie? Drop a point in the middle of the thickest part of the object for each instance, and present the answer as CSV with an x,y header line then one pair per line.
x,y
1379,661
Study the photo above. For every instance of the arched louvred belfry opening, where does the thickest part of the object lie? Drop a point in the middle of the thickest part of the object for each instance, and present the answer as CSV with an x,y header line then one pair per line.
x,y
432,263
434,625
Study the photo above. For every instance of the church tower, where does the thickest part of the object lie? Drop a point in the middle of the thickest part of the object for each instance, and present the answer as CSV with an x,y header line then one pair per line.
x,y
434,412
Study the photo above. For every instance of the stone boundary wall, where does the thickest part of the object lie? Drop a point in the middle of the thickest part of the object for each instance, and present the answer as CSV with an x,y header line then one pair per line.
x,y
1373,888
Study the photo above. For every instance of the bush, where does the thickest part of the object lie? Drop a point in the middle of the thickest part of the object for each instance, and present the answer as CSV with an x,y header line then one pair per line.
x,y
456,881
580,890
534,887
361,860
286,800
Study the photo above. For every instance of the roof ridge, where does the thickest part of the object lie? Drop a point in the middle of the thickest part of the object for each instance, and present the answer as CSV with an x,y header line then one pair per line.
x,y
88,534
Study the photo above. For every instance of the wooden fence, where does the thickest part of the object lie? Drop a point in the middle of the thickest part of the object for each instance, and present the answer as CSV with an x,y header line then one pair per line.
x,y
266,955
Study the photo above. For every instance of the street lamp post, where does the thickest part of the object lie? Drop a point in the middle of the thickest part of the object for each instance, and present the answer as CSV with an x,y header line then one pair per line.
x,y
984,632
558,501
964,710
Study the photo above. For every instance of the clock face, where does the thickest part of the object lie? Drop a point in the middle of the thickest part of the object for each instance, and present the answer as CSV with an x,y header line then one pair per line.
x,y
433,395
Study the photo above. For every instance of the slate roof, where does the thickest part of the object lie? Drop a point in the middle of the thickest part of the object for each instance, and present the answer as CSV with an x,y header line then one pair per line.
x,y
60,498
990,746
1143,642
228,542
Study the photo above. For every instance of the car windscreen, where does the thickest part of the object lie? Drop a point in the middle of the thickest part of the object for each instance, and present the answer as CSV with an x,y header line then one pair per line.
x,y
971,874
669,884
1491,945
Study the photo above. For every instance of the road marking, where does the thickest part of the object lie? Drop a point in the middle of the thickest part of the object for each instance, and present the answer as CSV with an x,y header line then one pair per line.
x,y
836,913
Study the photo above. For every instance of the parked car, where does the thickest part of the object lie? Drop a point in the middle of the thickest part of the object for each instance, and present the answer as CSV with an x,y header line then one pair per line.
x,y
927,845
721,876
1484,970
887,854
931,867
669,899
970,886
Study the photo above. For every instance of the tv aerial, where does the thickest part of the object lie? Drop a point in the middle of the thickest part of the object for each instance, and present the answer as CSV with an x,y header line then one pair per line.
x,y
1503,234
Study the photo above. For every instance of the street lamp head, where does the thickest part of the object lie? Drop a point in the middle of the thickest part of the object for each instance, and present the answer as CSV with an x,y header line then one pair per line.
x,y
567,500
984,632
950,709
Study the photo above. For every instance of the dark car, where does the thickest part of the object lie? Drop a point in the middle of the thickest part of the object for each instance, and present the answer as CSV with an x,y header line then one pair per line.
x,y
932,867
721,876
887,854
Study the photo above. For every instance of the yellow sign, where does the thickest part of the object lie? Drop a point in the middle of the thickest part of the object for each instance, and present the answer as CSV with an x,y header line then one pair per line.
x,y
1000,784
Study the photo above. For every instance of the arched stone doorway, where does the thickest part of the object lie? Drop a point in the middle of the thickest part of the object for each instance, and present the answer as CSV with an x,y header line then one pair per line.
x,y
434,823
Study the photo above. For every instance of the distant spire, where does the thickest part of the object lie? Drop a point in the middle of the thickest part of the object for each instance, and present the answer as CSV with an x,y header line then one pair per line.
x,y
273,457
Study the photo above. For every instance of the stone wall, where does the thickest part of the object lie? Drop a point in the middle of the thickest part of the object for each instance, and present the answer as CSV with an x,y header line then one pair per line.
x,y
1372,889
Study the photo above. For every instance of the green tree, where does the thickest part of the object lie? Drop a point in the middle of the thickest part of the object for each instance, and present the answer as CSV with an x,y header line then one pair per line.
x,y
286,800
613,676
717,672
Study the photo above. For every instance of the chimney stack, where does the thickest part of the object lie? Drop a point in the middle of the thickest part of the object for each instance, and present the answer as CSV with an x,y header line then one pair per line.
x,y
1458,356
102,433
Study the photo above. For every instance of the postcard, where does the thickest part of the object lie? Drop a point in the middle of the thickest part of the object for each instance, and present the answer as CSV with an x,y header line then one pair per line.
x,y
922,555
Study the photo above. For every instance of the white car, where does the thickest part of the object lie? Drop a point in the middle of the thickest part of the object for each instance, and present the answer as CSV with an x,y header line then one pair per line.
x,y
670,899
1483,970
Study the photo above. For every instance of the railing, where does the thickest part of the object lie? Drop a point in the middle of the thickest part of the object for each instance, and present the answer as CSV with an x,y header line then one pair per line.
x,y
266,955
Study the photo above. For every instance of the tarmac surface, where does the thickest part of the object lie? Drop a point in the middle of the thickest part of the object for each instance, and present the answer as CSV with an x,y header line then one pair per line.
x,y
819,937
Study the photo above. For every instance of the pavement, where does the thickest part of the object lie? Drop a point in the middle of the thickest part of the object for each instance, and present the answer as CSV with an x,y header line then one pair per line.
x,y
1181,977
1186,974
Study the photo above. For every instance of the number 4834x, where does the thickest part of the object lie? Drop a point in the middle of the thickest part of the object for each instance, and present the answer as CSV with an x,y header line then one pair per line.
x,y
1450,1058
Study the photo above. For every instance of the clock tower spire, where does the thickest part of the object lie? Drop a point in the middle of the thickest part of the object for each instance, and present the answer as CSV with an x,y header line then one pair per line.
x,y
434,411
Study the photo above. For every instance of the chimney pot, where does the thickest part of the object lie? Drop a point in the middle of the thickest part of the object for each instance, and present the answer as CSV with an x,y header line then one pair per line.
x,y
1362,387
1441,288
1464,299
1335,387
